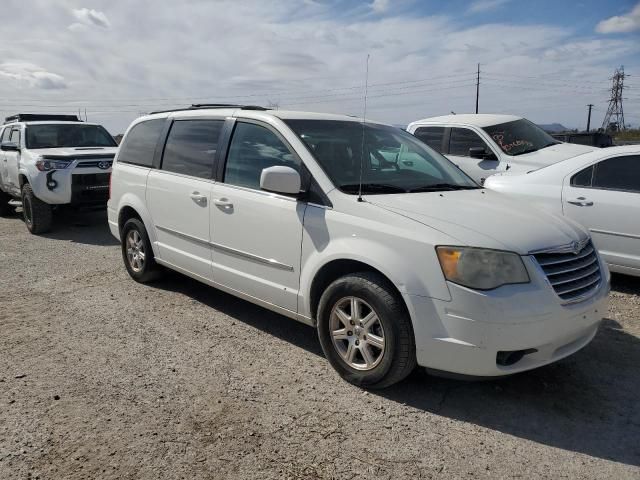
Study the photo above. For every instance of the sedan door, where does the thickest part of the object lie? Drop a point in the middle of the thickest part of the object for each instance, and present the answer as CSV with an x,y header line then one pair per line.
x,y
178,195
256,235
605,198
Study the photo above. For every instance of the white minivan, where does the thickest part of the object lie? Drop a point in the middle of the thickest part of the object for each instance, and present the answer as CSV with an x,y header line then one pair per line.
x,y
360,230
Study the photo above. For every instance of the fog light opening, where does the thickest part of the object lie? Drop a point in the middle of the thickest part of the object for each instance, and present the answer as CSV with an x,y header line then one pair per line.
x,y
507,358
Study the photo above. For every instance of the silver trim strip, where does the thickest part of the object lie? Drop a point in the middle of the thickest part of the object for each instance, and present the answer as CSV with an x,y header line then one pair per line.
x,y
184,235
232,251
250,256
606,232
566,248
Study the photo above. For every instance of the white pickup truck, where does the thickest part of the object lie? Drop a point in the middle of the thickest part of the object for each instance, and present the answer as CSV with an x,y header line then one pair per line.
x,y
52,160
484,144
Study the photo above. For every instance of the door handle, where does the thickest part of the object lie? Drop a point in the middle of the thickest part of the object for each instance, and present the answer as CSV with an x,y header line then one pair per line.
x,y
199,199
222,202
580,202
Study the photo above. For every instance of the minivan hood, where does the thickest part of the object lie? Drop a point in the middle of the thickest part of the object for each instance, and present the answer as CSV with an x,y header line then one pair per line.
x,y
76,151
482,218
553,154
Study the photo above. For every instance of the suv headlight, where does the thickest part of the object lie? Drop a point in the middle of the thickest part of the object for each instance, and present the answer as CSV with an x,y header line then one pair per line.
x,y
480,268
45,164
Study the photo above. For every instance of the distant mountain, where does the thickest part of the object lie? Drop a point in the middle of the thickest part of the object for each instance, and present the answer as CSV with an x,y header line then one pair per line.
x,y
553,127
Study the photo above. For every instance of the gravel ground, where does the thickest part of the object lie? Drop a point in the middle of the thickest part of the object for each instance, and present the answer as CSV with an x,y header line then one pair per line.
x,y
101,377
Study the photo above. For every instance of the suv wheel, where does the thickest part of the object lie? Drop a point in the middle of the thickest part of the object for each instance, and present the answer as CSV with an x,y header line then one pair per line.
x,y
38,215
365,331
137,252
5,208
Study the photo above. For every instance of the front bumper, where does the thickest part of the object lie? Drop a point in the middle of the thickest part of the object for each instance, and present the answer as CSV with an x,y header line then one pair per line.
x,y
75,186
464,335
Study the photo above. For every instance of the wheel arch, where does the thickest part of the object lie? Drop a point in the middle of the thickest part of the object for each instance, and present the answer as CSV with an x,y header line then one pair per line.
x,y
132,207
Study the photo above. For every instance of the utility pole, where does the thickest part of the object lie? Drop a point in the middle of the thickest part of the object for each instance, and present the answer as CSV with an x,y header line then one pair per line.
x,y
589,117
614,118
477,88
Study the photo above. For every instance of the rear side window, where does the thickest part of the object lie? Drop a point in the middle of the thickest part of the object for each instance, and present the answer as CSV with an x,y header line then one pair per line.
x,y
191,147
618,173
139,145
432,136
583,178
252,149
462,139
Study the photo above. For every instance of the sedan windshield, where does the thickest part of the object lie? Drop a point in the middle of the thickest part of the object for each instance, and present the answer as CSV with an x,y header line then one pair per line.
x,y
68,135
519,137
393,160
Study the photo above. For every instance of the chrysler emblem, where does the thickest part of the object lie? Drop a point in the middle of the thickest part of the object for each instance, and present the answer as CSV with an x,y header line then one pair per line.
x,y
104,165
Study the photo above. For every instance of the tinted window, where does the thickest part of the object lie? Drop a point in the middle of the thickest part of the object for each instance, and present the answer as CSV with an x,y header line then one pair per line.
x,y
252,149
15,136
462,139
191,147
432,136
520,136
619,173
393,161
5,135
140,143
583,178
68,135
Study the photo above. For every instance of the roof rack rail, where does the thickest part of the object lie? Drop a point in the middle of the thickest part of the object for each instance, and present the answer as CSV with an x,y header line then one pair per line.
x,y
201,106
34,117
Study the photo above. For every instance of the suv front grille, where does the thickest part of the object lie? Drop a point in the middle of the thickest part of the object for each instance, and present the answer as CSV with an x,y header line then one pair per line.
x,y
90,188
573,276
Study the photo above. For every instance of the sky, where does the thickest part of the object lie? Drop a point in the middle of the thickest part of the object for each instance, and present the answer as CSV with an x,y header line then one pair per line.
x,y
118,59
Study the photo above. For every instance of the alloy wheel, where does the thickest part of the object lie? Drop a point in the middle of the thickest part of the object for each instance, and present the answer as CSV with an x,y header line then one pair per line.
x,y
135,250
357,333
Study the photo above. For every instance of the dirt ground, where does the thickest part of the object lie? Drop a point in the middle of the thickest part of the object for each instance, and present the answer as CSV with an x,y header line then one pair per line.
x,y
101,377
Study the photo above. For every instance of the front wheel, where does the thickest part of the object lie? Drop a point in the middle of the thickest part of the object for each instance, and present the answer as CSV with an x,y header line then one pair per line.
x,y
137,252
38,216
365,331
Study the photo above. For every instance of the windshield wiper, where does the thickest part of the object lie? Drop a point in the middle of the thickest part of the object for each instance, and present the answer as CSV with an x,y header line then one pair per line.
x,y
372,188
438,187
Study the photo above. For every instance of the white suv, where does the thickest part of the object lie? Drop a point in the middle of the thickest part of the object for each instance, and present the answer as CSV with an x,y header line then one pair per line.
x,y
394,255
52,160
485,144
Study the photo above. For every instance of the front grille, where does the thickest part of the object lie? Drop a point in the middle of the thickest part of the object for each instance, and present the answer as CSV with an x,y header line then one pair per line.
x,y
104,163
90,188
573,276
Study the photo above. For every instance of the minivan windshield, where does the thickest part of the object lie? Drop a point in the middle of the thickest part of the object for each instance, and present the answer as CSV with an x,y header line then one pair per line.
x,y
519,137
68,135
393,162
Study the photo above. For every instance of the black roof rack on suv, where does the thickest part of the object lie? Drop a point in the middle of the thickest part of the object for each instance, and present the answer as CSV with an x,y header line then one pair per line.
x,y
200,106
34,117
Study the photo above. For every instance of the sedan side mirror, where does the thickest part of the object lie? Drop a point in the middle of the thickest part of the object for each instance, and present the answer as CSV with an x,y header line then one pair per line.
x,y
479,152
280,179
9,147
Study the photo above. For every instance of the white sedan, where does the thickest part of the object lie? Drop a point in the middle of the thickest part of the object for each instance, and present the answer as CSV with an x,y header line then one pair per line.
x,y
600,190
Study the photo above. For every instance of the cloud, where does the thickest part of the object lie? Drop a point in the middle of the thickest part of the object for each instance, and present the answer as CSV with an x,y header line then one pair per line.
x,y
485,5
89,18
621,23
31,75
380,6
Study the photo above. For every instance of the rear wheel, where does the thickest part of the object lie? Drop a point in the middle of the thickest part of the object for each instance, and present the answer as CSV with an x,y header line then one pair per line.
x,y
5,208
38,216
137,252
365,331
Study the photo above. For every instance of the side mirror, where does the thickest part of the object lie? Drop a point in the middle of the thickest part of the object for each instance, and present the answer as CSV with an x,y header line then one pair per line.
x,y
479,152
9,147
280,179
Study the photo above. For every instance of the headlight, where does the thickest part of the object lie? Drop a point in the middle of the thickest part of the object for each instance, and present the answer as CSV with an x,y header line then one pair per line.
x,y
46,164
480,268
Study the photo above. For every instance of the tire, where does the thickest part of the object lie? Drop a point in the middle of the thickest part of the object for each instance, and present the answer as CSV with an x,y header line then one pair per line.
x,y
374,364
5,208
38,216
137,253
